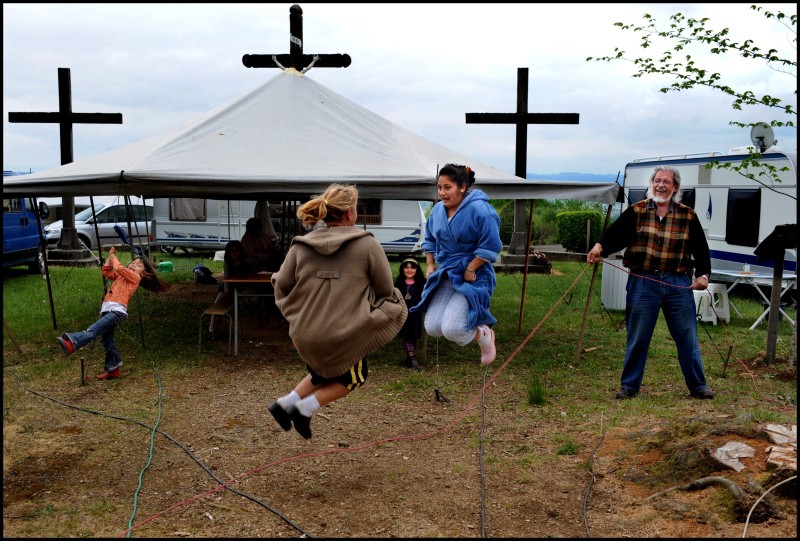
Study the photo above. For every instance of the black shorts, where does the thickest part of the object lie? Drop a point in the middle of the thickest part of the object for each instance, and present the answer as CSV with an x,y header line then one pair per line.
x,y
352,379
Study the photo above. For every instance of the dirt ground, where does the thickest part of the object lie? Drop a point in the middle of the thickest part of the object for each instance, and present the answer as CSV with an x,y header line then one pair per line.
x,y
390,460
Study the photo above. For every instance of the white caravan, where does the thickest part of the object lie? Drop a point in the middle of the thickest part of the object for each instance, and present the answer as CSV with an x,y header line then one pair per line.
x,y
737,213
208,224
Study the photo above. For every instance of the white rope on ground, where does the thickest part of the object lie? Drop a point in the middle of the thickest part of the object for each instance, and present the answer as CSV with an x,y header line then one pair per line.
x,y
746,522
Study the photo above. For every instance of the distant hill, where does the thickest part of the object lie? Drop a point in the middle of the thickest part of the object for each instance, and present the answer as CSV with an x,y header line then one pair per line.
x,y
584,177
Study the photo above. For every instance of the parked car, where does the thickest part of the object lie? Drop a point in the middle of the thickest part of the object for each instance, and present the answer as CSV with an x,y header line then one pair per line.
x,y
21,233
107,216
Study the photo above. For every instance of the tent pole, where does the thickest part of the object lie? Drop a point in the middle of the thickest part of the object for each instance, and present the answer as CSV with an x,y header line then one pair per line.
x,y
525,271
129,212
99,245
148,254
43,252
589,295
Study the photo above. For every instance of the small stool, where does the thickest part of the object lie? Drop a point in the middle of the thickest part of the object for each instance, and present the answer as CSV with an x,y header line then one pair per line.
x,y
703,306
712,304
722,307
220,308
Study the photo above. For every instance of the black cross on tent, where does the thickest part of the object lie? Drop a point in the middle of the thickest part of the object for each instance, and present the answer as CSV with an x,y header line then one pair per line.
x,y
296,59
521,118
66,118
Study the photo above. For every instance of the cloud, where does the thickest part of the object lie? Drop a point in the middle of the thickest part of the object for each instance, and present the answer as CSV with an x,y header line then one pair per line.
x,y
422,66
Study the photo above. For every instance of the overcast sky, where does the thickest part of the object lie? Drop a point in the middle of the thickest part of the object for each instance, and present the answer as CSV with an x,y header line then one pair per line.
x,y
421,66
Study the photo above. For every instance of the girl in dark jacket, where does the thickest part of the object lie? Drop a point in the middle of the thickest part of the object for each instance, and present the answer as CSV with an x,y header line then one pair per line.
x,y
410,282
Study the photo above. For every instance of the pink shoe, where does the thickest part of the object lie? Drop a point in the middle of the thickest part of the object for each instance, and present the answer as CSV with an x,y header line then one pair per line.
x,y
488,351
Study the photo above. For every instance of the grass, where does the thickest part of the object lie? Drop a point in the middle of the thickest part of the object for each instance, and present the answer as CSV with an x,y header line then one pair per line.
x,y
548,372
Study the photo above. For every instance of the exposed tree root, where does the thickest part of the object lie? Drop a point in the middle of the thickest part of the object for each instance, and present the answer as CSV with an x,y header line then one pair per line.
x,y
705,482
741,505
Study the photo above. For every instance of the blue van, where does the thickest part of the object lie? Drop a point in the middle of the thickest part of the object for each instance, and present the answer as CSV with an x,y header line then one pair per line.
x,y
22,233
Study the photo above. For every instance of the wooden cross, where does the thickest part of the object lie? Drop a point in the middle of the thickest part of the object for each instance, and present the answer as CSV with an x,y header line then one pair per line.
x,y
66,118
296,59
521,118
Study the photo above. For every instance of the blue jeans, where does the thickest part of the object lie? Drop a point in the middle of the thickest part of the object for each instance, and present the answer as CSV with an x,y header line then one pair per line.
x,y
104,328
645,297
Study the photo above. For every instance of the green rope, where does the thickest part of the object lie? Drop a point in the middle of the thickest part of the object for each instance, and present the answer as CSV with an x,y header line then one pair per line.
x,y
149,459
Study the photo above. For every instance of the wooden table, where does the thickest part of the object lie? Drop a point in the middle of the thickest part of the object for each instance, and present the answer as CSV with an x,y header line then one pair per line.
x,y
259,278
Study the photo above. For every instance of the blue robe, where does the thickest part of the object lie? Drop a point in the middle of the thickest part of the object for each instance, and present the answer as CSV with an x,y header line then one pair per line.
x,y
474,230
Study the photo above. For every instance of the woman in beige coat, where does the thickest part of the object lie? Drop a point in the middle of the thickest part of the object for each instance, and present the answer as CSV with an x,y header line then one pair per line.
x,y
336,290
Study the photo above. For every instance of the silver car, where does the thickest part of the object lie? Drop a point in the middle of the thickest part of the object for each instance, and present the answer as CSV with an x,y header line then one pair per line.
x,y
107,216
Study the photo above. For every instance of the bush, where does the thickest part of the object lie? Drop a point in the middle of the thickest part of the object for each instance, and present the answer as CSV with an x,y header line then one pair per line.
x,y
505,208
572,229
545,224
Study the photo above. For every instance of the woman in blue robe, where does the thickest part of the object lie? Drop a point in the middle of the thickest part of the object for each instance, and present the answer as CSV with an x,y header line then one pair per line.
x,y
462,241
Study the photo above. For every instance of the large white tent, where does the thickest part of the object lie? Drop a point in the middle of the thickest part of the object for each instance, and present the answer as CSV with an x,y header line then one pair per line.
x,y
287,139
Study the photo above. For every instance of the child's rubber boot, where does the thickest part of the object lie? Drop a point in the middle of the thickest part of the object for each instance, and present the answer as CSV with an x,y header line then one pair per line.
x,y
113,374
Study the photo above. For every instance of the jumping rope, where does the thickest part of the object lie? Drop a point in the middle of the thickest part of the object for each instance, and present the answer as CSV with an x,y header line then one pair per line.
x,y
467,409
439,396
447,427
437,393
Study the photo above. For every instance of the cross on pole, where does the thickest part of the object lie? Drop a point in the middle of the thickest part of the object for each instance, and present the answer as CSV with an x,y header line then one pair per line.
x,y
296,59
65,118
521,118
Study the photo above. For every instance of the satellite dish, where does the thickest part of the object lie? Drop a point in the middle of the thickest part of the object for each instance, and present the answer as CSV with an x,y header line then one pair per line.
x,y
762,137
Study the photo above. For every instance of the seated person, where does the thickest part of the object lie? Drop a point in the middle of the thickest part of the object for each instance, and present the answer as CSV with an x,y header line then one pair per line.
x,y
234,265
258,250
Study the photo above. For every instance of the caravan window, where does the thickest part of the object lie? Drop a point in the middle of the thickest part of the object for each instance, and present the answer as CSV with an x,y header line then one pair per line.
x,y
687,197
187,209
636,194
744,216
369,211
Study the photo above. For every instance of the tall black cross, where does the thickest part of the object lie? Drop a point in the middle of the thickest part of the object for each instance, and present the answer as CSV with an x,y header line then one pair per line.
x,y
66,118
296,59
521,118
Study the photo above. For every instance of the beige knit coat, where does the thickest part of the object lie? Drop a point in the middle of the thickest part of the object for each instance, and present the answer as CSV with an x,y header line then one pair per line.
x,y
336,290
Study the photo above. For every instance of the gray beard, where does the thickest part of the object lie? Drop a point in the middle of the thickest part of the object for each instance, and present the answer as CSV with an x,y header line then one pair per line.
x,y
661,199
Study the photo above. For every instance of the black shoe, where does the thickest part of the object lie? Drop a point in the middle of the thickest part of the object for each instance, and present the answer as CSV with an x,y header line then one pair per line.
x,y
301,423
704,394
280,415
625,394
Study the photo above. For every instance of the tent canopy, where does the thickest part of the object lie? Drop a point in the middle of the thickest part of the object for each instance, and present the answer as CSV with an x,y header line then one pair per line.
x,y
287,139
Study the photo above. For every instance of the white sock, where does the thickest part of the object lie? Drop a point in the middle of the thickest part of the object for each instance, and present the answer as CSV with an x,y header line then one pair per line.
x,y
289,401
308,405
485,337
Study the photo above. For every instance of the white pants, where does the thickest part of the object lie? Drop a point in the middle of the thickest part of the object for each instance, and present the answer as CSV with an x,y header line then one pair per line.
x,y
447,315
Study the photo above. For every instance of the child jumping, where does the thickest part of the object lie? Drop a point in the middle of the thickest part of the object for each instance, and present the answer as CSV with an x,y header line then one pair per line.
x,y
335,289
114,310
410,282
